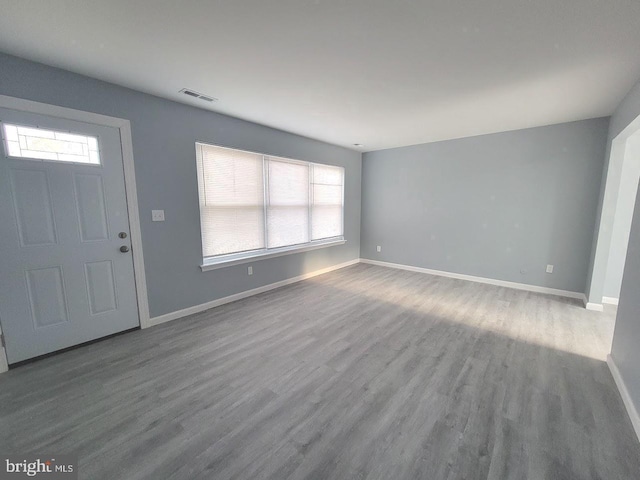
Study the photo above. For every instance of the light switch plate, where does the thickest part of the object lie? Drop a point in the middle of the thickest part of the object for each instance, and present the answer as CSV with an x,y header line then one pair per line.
x,y
157,215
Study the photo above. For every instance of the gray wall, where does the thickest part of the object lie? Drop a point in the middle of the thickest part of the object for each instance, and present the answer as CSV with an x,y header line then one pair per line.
x,y
501,206
625,350
629,176
164,134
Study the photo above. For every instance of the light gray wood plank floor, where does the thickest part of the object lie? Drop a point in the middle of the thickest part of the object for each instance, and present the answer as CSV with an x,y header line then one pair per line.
x,y
365,372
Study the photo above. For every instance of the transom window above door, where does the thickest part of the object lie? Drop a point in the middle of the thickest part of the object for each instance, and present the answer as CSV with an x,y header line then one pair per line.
x,y
35,143
254,205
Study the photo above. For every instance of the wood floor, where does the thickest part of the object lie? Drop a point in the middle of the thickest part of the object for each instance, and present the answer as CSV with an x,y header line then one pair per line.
x,y
365,372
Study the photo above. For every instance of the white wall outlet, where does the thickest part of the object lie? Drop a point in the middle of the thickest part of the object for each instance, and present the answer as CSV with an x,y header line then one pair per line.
x,y
250,270
379,248
549,268
157,215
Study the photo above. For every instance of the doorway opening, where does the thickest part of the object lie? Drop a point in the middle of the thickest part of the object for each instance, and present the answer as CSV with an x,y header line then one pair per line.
x,y
622,178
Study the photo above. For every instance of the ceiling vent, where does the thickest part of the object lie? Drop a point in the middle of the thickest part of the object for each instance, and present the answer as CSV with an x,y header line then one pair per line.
x,y
194,94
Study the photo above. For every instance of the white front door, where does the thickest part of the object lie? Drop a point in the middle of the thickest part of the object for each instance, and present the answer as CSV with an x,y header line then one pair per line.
x,y
66,270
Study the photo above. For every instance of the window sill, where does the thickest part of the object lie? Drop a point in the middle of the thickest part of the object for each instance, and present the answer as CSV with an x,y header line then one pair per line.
x,y
279,252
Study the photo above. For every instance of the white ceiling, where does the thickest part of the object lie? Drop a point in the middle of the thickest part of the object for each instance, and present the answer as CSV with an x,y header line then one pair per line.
x,y
382,73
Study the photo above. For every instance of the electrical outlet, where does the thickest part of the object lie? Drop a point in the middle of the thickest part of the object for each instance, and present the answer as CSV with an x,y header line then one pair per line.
x,y
549,268
250,270
379,248
157,215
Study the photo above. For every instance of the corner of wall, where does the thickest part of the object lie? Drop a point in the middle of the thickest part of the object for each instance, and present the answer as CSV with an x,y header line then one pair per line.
x,y
4,365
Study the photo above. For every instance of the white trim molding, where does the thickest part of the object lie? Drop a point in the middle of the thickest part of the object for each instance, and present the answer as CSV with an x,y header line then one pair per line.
x,y
167,317
4,366
624,393
595,307
231,260
610,300
472,278
124,127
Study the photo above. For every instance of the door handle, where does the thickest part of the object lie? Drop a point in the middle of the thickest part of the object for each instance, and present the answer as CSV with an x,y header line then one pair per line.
x,y
124,249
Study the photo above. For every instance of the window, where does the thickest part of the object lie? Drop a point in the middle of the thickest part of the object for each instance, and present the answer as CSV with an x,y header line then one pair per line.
x,y
254,205
41,144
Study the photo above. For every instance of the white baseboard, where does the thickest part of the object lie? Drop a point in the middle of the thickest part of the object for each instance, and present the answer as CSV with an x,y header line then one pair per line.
x,y
610,300
624,393
596,307
167,317
472,278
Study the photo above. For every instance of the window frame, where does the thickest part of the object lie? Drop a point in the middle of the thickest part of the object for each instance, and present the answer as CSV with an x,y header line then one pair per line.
x,y
226,260
5,146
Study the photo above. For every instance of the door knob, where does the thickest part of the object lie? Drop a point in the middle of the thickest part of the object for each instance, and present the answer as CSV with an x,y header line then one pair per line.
x,y
122,235
124,249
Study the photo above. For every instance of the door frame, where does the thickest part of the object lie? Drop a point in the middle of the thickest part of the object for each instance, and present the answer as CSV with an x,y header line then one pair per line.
x,y
603,234
126,142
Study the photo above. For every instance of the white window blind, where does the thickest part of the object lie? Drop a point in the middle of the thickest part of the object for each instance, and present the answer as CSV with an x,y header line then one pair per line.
x,y
287,203
252,203
327,201
231,200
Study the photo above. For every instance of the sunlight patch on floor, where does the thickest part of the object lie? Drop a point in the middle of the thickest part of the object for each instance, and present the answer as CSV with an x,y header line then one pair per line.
x,y
496,309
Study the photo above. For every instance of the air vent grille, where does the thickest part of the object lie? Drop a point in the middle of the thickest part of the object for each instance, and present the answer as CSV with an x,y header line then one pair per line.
x,y
198,95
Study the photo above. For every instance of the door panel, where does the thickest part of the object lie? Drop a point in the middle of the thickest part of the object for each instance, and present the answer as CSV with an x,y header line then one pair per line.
x,y
100,286
63,279
90,203
32,200
47,297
